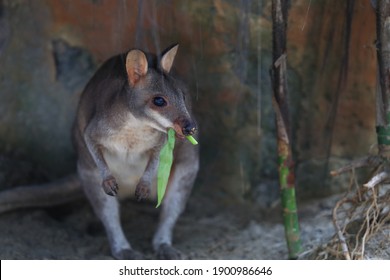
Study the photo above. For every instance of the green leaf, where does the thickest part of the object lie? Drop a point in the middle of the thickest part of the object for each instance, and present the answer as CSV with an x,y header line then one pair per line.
x,y
164,166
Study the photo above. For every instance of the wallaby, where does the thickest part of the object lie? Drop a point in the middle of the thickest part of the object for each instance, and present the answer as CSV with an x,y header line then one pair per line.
x,y
121,125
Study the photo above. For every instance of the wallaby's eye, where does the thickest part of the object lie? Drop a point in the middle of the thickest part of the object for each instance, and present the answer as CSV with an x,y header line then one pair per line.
x,y
159,101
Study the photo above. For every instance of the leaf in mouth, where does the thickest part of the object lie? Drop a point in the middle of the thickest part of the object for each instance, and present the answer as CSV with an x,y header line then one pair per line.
x,y
192,140
165,164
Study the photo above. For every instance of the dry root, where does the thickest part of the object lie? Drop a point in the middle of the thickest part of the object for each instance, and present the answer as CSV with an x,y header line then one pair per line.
x,y
360,214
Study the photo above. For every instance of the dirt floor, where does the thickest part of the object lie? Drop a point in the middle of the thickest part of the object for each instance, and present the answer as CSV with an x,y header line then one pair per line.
x,y
205,231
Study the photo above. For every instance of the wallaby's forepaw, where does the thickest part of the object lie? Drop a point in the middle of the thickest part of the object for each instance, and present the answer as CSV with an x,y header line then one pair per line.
x,y
128,254
142,191
110,186
167,252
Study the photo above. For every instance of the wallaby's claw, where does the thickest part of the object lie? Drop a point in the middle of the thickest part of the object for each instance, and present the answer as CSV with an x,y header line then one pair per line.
x,y
128,254
142,191
168,252
110,186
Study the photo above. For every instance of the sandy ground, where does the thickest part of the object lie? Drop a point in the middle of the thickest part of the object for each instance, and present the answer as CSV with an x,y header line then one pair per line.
x,y
205,231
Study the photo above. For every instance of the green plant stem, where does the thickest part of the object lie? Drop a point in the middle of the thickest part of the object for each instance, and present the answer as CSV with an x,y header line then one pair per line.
x,y
383,93
289,212
280,104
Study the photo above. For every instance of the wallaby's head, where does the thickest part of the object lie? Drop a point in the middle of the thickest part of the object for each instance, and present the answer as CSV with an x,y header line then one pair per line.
x,y
156,96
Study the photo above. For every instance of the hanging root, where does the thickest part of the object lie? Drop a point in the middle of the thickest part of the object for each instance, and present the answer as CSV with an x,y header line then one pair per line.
x,y
360,214
339,231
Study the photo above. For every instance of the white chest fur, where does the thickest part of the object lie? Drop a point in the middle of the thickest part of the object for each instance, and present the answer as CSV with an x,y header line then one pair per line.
x,y
127,152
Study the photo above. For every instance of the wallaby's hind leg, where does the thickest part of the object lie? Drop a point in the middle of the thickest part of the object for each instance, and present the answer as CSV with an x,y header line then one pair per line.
x,y
180,184
107,209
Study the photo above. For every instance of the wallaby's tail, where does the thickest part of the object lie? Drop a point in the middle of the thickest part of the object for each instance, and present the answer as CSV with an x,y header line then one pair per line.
x,y
50,194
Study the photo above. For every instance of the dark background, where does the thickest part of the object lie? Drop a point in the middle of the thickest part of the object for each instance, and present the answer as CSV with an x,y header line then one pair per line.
x,y
49,50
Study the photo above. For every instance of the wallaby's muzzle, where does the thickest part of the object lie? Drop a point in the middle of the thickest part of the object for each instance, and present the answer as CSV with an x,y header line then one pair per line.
x,y
184,127
189,129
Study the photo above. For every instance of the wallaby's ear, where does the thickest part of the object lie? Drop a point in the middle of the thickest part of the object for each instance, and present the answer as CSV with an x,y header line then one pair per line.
x,y
136,66
168,57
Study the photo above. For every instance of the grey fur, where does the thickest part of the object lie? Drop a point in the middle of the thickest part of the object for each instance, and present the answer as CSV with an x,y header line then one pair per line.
x,y
118,133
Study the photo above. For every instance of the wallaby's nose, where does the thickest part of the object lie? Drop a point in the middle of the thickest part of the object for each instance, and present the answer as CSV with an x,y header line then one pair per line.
x,y
189,128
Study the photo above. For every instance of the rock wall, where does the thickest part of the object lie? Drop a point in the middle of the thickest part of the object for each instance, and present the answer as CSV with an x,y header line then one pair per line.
x,y
49,49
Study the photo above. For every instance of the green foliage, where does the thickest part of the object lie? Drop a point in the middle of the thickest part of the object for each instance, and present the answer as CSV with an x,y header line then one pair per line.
x,y
165,164
192,140
164,167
